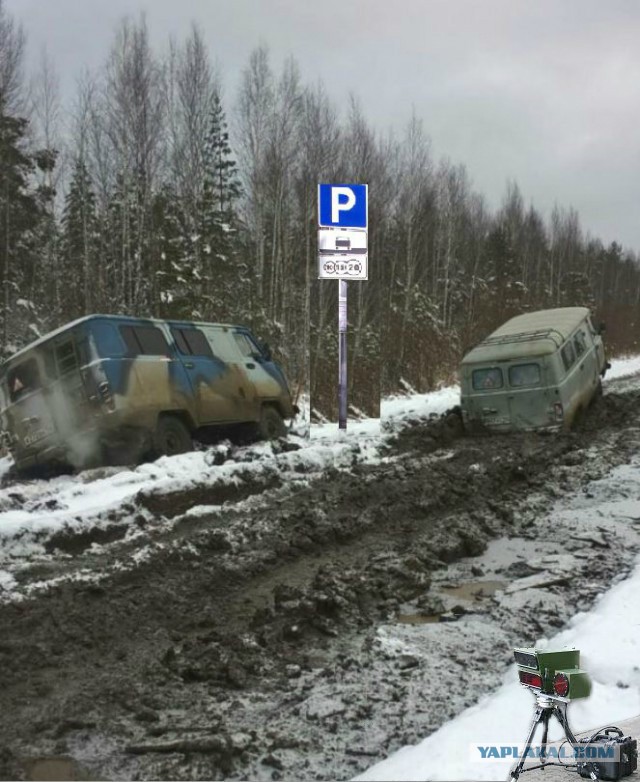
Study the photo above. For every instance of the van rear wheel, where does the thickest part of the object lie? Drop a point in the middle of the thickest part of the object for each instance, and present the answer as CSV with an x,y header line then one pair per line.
x,y
271,425
171,437
599,392
578,418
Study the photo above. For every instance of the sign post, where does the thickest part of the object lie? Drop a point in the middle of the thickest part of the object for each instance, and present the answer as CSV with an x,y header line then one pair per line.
x,y
342,256
342,355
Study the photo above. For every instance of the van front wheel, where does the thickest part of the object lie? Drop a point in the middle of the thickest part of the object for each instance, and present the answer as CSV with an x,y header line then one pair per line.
x,y
171,437
271,424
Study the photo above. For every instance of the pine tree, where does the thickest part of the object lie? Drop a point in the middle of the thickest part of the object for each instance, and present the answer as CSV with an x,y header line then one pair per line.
x,y
177,280
20,215
219,221
79,244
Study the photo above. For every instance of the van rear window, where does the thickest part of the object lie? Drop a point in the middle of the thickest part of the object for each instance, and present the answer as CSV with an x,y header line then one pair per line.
x,y
23,379
484,379
524,375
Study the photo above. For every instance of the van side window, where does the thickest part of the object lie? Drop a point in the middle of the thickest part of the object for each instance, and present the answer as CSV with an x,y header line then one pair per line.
x,y
579,343
247,346
144,340
192,342
23,379
524,375
568,356
487,378
66,357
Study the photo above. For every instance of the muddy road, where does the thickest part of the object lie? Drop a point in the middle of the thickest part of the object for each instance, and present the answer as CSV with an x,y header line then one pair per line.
x,y
306,628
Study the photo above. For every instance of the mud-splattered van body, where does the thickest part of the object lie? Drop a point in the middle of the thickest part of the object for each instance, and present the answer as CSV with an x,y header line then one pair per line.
x,y
104,383
540,370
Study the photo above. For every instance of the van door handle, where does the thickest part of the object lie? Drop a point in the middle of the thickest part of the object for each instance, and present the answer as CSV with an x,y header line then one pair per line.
x,y
188,364
251,365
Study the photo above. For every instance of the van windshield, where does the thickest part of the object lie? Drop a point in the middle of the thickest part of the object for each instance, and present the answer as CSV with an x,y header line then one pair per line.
x,y
485,379
524,375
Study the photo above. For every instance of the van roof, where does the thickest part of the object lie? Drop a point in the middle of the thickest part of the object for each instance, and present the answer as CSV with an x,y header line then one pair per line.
x,y
531,334
125,318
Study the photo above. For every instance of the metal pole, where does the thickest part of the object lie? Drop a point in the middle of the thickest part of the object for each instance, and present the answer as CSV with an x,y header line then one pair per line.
x,y
342,355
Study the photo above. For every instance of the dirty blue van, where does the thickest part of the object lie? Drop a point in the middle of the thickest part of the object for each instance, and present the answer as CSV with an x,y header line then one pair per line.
x,y
106,388
540,370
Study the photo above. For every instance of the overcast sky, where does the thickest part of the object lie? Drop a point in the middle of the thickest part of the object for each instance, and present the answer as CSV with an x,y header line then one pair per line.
x,y
546,92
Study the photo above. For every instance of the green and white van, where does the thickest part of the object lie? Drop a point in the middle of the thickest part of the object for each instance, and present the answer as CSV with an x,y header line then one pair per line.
x,y
540,370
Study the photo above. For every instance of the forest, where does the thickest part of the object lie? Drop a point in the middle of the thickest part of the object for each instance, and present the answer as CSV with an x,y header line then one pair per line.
x,y
154,193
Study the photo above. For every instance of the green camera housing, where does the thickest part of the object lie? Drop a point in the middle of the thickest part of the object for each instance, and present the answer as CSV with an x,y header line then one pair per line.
x,y
556,673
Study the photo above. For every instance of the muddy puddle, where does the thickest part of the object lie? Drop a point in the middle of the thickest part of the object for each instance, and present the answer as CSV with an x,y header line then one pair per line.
x,y
55,769
473,590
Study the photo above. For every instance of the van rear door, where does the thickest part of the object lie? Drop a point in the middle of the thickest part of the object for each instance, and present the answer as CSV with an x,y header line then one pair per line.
x,y
529,398
27,416
487,401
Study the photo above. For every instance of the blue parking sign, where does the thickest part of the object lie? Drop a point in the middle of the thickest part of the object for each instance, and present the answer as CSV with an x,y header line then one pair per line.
x,y
342,206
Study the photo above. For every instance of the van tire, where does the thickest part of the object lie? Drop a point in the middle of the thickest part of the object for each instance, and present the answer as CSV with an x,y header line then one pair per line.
x,y
271,425
171,437
598,393
578,418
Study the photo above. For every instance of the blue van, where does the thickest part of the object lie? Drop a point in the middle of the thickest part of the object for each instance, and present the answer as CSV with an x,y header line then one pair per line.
x,y
106,388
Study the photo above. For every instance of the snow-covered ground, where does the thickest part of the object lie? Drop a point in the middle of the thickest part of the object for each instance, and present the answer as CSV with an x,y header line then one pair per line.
x,y
623,367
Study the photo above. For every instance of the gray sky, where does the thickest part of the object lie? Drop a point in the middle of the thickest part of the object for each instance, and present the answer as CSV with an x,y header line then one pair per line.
x,y
545,92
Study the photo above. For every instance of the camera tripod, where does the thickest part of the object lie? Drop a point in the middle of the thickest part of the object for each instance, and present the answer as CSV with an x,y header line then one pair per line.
x,y
548,705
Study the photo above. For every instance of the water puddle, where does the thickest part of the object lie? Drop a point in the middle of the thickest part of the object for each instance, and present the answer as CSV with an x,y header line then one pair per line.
x,y
473,590
55,769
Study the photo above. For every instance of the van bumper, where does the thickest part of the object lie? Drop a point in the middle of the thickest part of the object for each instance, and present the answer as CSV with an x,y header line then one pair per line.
x,y
480,424
52,454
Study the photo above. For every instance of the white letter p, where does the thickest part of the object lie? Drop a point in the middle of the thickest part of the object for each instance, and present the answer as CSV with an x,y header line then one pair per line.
x,y
337,205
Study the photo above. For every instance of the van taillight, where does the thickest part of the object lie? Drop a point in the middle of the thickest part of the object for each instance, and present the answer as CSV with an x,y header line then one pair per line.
x,y
558,411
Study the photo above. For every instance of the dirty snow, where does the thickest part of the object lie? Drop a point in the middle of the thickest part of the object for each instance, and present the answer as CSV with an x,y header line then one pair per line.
x,y
623,367
361,695
32,511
